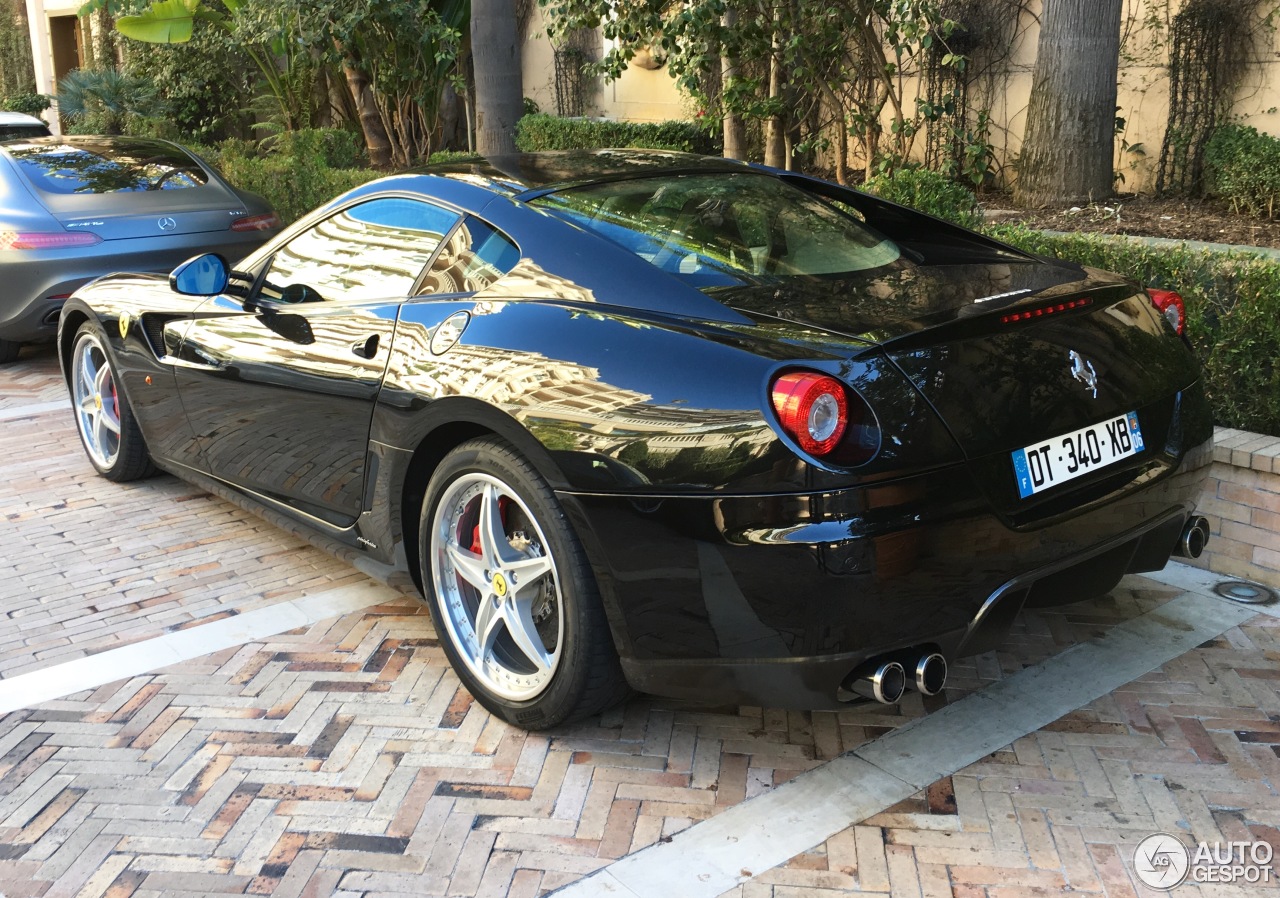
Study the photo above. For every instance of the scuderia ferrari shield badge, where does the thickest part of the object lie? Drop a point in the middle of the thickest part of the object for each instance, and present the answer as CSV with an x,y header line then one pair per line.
x,y
125,321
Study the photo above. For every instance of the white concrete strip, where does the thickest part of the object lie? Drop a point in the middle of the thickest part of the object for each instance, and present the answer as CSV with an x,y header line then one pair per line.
x,y
26,690
30,411
712,857
1202,582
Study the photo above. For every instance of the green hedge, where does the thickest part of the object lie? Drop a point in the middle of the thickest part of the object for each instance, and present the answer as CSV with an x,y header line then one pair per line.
x,y
548,132
929,192
1242,167
1233,312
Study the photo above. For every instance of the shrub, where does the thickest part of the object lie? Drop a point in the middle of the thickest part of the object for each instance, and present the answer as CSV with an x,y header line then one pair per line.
x,y
444,157
28,104
338,147
1242,167
294,185
929,192
1233,312
549,132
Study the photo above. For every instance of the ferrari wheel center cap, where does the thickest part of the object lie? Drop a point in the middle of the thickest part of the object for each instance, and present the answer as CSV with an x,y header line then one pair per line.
x,y
97,401
499,585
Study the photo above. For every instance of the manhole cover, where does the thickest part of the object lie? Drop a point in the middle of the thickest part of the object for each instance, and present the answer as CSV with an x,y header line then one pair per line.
x,y
1242,591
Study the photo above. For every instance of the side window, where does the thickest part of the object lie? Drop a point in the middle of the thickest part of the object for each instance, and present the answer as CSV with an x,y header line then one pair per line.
x,y
475,256
371,251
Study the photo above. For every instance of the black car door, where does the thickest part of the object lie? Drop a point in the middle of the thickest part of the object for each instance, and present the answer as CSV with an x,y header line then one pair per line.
x,y
280,388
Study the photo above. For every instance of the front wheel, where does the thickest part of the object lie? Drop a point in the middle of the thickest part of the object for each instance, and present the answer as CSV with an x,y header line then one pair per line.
x,y
511,593
108,430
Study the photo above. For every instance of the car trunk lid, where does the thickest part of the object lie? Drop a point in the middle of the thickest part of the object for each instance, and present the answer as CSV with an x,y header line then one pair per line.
x,y
1009,355
150,214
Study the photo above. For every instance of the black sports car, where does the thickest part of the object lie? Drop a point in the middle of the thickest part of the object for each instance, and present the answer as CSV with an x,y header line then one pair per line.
x,y
710,430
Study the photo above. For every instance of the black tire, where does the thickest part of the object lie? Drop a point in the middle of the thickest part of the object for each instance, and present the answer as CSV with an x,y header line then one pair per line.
x,y
585,677
9,350
118,454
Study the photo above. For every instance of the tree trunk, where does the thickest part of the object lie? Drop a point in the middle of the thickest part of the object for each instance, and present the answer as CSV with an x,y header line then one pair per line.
x,y
375,130
735,132
775,132
105,40
499,97
1069,145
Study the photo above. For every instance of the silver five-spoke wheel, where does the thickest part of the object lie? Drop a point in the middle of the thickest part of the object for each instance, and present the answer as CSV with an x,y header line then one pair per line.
x,y
97,402
511,592
497,586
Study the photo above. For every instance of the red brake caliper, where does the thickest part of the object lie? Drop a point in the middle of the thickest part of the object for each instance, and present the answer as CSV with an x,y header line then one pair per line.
x,y
503,504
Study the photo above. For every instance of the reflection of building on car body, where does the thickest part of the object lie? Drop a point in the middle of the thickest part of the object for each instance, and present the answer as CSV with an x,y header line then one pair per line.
x,y
680,424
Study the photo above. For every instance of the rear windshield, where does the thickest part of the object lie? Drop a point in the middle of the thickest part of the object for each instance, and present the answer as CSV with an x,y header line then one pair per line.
x,y
22,132
107,167
725,228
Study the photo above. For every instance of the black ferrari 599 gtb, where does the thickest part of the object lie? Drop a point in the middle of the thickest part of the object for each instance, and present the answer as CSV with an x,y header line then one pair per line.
x,y
690,426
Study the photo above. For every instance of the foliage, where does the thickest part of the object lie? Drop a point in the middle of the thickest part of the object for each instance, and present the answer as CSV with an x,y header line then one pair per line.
x,y
101,101
28,104
204,85
17,76
1233,312
293,175
411,50
1213,44
335,147
445,157
794,65
929,192
1242,167
548,132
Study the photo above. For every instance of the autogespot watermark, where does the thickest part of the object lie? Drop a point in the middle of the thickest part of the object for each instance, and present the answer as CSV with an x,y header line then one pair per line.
x,y
1164,862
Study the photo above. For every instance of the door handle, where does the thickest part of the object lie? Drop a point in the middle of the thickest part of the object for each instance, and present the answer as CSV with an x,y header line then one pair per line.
x,y
366,349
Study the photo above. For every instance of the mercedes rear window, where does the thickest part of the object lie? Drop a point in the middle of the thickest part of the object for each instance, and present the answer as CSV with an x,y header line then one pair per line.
x,y
725,228
22,132
109,167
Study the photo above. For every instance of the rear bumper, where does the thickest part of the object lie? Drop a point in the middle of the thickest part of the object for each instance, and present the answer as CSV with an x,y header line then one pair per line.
x,y
776,599
31,278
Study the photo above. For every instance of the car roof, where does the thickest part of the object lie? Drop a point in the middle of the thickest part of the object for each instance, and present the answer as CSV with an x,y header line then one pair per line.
x,y
19,118
524,173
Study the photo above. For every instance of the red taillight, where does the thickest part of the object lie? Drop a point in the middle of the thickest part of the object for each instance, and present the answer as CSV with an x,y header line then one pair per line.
x,y
812,408
47,239
256,222
1171,306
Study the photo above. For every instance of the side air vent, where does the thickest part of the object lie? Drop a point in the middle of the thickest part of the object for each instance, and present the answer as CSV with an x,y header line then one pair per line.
x,y
153,327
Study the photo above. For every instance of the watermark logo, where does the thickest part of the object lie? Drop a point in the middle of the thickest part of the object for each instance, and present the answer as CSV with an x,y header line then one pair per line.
x,y
1163,862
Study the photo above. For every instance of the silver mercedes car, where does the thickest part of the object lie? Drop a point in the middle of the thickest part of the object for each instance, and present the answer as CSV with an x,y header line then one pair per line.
x,y
75,208
15,125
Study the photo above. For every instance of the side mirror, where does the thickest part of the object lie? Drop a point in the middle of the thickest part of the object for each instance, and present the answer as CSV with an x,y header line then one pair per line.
x,y
204,275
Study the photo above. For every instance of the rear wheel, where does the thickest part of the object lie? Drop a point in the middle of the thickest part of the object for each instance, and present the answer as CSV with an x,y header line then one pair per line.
x,y
107,427
512,595
9,350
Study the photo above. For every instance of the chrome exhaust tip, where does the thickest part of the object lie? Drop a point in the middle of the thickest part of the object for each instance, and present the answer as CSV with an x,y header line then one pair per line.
x,y
931,674
884,683
1195,536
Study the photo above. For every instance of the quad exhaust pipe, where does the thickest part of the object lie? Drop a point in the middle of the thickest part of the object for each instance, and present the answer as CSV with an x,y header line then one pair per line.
x,y
886,679
1194,538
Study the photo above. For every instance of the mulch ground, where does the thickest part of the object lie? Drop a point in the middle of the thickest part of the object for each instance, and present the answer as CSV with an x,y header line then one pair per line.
x,y
1178,219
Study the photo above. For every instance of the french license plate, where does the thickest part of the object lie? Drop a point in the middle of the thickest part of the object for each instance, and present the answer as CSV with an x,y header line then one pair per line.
x,y
1051,462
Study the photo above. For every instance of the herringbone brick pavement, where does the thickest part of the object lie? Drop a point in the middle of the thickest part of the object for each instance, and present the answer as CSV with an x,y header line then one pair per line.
x,y
346,757
90,565
1190,749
